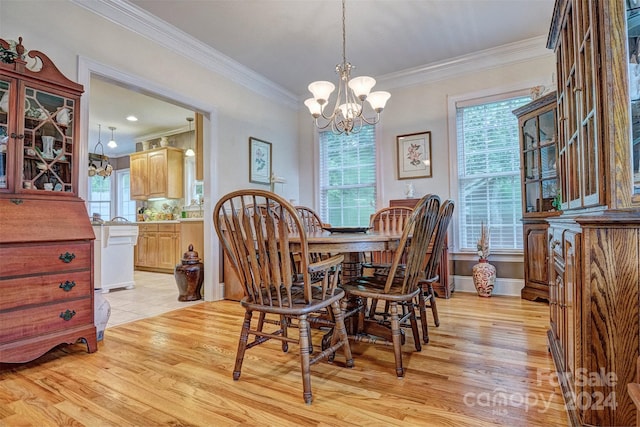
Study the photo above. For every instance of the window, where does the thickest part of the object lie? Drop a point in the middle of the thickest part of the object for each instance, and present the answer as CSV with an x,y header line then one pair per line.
x,y
125,207
348,177
489,172
100,196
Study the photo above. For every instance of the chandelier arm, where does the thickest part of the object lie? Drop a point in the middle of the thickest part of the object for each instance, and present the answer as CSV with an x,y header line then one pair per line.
x,y
373,122
321,127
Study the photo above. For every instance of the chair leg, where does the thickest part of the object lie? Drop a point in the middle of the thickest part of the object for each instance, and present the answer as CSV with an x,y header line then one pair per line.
x,y
434,308
396,338
372,308
242,344
284,324
423,317
303,327
414,325
341,331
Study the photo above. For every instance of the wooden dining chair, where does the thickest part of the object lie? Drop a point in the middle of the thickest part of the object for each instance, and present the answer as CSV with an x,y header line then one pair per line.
x,y
310,219
413,245
389,219
256,241
427,296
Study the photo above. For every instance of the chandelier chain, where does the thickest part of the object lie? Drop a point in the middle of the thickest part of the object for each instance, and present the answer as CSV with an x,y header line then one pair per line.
x,y
344,36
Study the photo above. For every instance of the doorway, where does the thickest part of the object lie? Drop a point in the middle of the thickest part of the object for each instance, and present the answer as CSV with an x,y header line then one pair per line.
x,y
89,71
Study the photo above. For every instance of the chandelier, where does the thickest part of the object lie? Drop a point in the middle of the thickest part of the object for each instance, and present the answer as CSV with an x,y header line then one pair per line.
x,y
347,115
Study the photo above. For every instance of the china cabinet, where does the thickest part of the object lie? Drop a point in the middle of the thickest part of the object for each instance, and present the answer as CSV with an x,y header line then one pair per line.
x,y
538,160
595,242
157,173
46,272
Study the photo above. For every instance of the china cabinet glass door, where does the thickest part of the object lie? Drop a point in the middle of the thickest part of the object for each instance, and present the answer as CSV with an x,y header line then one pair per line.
x,y
48,141
633,34
540,177
5,93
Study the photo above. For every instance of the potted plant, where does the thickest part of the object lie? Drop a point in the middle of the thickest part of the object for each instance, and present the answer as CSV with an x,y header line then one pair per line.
x,y
484,274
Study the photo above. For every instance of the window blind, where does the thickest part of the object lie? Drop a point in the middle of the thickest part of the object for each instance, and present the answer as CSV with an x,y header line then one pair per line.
x,y
489,189
348,177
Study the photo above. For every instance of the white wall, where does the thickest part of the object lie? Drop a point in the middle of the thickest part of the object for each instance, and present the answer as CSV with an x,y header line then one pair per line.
x,y
65,32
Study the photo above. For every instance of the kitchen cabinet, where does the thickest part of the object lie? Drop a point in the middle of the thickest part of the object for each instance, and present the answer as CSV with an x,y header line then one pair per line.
x,y
539,178
157,173
595,241
46,239
158,247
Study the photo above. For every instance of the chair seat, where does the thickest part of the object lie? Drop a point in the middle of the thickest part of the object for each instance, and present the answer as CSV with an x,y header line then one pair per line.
x,y
298,305
373,287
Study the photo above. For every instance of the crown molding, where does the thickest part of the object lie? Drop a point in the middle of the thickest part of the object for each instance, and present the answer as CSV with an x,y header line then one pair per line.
x,y
494,57
134,19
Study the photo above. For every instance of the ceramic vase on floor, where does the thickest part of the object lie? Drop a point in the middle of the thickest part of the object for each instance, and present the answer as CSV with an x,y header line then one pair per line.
x,y
484,277
102,311
189,276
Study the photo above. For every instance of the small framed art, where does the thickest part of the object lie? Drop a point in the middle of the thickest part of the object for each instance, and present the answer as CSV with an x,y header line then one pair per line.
x,y
259,161
414,155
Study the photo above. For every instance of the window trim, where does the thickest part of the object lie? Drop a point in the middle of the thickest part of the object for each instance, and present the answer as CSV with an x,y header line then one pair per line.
x,y
467,100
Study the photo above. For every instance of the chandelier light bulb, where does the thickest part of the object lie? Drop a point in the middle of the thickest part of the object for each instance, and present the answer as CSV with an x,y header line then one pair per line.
x,y
321,91
314,108
361,86
378,100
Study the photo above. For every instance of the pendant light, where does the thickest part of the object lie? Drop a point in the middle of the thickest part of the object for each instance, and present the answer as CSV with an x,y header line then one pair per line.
x,y
112,142
189,152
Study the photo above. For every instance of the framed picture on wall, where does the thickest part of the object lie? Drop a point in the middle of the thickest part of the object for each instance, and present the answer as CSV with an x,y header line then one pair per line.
x,y
414,155
259,161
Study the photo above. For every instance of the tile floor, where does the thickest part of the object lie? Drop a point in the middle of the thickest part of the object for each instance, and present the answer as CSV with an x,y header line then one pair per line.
x,y
154,294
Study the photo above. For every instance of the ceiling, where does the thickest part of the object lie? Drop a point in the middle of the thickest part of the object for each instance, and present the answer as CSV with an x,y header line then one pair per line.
x,y
294,42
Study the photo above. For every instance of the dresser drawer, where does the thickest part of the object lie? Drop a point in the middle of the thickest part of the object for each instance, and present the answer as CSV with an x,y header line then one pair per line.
x,y
25,291
29,322
22,260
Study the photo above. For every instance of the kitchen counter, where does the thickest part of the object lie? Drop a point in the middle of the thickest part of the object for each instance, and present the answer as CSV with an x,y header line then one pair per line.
x,y
170,221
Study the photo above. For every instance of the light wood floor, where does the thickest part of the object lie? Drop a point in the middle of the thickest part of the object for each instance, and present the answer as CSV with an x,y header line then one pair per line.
x,y
487,364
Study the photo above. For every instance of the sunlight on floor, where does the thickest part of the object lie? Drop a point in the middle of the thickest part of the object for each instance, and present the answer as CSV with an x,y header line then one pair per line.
x,y
154,294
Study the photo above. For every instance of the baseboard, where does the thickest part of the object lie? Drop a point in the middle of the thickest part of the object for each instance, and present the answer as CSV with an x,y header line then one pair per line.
x,y
510,287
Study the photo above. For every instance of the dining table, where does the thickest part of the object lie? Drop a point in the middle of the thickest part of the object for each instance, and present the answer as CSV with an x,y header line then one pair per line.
x,y
352,245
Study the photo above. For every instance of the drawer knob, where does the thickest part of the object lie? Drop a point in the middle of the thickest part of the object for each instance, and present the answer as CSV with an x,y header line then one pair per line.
x,y
16,202
67,315
67,257
67,286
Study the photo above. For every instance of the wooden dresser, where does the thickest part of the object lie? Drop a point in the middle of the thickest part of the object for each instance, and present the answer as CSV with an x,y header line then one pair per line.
x,y
594,245
445,287
46,238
